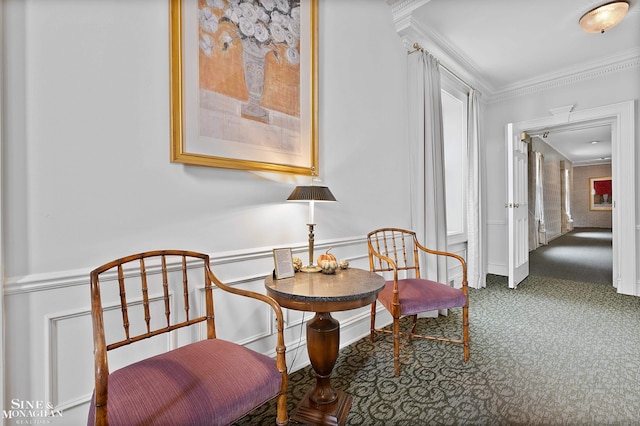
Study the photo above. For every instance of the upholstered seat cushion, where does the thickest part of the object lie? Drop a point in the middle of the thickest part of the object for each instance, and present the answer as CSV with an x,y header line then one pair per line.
x,y
420,295
203,383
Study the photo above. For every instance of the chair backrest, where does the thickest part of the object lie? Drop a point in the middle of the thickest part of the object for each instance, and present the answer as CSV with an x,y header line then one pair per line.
x,y
395,245
148,294
156,292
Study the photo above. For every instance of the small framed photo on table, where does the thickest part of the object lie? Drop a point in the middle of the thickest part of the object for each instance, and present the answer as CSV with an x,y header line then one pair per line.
x,y
283,261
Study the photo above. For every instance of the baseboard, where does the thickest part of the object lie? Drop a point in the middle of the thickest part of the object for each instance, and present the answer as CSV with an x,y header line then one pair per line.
x,y
498,269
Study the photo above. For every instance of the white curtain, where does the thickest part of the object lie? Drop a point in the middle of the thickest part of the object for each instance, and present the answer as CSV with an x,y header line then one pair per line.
x,y
540,233
428,214
476,245
566,181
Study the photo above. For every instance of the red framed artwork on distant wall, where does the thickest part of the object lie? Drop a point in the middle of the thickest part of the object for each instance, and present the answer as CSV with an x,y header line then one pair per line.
x,y
600,194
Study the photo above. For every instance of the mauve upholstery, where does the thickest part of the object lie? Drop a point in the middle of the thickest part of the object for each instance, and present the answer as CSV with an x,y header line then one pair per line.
x,y
420,295
203,383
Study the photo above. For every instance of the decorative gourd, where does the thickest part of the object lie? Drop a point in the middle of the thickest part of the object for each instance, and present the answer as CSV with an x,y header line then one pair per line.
x,y
326,256
328,262
344,264
328,266
297,264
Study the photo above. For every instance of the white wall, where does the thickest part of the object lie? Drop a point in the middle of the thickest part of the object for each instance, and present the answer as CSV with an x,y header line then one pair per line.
x,y
594,91
87,176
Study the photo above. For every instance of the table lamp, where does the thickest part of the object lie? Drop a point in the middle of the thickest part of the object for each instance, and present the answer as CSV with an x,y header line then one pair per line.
x,y
311,194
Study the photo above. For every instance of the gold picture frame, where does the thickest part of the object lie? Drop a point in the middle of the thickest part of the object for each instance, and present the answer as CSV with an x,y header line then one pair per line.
x,y
600,194
210,124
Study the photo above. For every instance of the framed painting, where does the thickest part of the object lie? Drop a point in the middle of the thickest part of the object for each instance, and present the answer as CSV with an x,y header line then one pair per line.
x,y
600,196
244,84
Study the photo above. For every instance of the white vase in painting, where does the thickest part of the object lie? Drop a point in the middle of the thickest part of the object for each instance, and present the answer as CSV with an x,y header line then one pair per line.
x,y
253,62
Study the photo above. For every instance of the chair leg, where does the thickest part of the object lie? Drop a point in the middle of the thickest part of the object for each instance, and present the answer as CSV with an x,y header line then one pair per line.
x,y
282,418
414,319
396,346
373,321
465,332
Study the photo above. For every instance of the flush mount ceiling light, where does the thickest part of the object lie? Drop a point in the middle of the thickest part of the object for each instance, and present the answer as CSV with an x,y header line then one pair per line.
x,y
604,17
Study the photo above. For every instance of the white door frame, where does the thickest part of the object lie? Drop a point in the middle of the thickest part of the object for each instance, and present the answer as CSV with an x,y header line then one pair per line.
x,y
621,117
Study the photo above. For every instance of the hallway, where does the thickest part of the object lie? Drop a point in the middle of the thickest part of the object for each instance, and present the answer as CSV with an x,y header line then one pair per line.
x,y
584,254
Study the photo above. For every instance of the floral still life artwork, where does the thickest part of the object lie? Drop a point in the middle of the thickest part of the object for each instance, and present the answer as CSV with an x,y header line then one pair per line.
x,y
260,28
244,84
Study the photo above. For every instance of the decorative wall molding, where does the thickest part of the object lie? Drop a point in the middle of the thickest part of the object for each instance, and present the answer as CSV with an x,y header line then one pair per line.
x,y
403,9
54,350
498,269
557,81
80,277
352,329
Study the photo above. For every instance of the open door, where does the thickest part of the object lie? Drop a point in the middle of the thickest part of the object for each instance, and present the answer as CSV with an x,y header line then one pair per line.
x,y
517,206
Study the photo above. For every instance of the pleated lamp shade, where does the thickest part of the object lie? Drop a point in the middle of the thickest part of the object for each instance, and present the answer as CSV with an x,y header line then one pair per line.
x,y
311,193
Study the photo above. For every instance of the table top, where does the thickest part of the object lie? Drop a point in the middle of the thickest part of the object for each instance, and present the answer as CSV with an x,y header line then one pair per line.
x,y
346,289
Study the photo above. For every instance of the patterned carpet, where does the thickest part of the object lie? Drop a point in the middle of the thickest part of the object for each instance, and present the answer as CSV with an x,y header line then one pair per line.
x,y
552,352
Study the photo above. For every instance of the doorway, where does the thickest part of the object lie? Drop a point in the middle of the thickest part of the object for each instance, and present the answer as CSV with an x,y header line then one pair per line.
x,y
621,118
561,162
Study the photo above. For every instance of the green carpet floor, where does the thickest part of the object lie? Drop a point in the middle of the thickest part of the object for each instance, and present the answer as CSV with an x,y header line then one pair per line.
x,y
584,254
552,352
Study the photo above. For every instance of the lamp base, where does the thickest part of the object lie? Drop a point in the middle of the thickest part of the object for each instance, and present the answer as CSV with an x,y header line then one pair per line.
x,y
311,268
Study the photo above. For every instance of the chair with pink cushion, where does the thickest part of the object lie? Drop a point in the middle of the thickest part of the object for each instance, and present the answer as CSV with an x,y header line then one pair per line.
x,y
396,251
153,312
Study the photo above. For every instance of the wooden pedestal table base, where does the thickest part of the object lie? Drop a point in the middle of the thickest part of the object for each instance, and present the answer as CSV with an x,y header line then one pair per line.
x,y
323,405
322,294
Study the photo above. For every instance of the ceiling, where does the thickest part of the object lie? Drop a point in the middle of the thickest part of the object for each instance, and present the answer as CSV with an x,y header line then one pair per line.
x,y
583,144
514,44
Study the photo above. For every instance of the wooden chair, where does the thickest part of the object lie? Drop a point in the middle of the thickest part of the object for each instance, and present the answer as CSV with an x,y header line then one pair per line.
x,y
203,381
396,250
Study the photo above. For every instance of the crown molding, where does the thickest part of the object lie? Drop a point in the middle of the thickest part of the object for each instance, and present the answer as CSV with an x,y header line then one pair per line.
x,y
401,11
412,31
400,8
559,79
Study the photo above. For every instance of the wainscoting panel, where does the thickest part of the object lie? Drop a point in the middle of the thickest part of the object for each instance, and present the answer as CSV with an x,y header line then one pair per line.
x,y
69,351
497,243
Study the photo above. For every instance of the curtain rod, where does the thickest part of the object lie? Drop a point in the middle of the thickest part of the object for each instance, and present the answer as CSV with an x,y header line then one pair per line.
x,y
418,48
